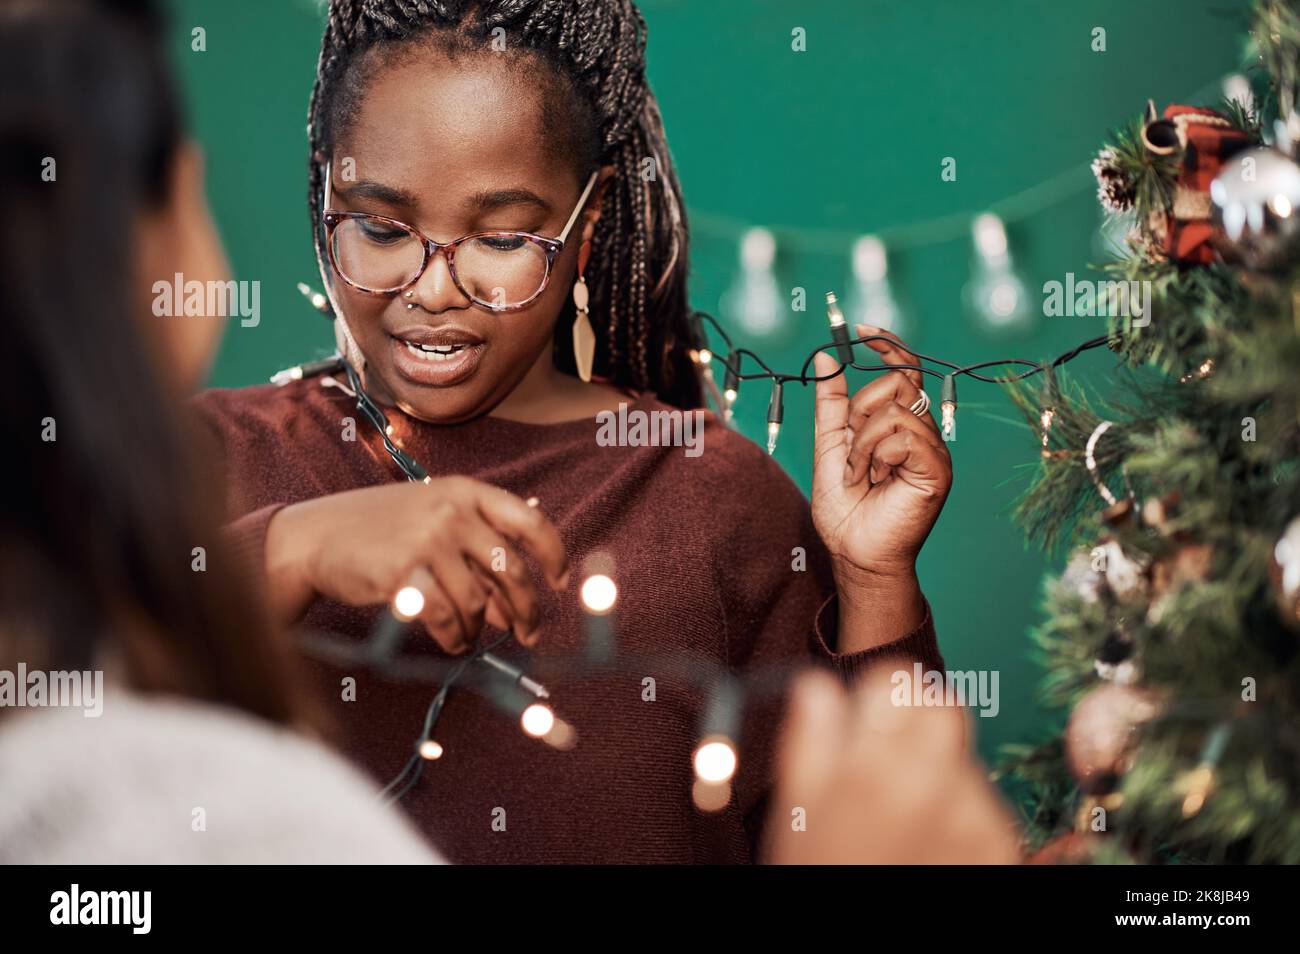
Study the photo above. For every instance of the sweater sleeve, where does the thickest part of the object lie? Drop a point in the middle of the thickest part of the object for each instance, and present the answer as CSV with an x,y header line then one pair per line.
x,y
246,536
920,645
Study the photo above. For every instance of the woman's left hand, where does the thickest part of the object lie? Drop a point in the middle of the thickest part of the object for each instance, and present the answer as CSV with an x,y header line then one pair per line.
x,y
881,473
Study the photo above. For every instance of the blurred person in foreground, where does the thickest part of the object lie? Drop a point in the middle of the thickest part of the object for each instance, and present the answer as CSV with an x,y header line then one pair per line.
x,y
182,748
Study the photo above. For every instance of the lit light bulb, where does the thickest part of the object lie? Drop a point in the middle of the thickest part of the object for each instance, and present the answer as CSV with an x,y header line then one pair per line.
x,y
1045,419
408,603
948,408
839,330
599,593
430,750
730,384
318,301
715,760
1048,414
1198,783
775,411
537,720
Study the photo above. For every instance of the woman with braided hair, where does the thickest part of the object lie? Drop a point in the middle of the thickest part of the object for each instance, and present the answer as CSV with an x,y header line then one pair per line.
x,y
504,247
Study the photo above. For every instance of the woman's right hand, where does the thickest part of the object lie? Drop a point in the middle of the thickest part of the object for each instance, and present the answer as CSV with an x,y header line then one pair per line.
x,y
454,539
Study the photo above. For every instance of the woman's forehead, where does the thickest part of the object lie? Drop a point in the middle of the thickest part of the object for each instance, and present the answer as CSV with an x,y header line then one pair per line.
x,y
455,126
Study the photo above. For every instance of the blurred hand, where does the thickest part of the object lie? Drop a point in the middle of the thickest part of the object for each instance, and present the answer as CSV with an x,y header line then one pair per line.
x,y
453,539
881,784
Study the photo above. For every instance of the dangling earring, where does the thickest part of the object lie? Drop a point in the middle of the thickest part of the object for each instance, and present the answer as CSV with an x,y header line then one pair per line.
x,y
584,338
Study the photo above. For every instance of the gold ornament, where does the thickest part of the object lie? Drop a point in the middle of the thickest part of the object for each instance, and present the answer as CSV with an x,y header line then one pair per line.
x,y
1284,573
1099,735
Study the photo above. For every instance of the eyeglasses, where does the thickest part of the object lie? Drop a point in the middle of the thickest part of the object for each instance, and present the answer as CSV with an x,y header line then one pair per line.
x,y
500,270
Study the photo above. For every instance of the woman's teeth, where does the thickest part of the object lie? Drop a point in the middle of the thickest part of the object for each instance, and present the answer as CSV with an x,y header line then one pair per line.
x,y
434,352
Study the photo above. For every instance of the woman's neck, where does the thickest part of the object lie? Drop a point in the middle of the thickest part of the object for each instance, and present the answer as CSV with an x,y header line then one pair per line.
x,y
546,395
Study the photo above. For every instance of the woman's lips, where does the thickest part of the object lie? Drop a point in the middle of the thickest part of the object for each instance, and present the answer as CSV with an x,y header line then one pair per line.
x,y
436,357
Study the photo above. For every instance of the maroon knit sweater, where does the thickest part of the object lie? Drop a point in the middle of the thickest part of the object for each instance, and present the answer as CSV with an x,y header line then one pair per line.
x,y
703,547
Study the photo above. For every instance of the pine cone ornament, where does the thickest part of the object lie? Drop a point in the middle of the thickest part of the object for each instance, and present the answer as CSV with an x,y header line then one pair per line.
x,y
1115,191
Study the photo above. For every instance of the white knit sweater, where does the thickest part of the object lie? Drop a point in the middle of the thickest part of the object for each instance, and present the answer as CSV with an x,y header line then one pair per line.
x,y
183,783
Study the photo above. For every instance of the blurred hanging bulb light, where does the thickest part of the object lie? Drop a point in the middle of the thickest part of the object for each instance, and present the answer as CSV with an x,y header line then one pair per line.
x,y
871,299
537,720
995,292
430,750
408,603
715,760
1237,87
753,301
599,593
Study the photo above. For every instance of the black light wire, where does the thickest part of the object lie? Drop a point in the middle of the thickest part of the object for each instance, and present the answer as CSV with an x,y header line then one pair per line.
x,y
774,679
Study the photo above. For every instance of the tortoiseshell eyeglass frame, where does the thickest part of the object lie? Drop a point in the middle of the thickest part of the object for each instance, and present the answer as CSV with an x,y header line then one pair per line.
x,y
551,247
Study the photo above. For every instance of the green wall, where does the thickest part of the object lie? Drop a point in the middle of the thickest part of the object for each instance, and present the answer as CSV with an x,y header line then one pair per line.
x,y
847,136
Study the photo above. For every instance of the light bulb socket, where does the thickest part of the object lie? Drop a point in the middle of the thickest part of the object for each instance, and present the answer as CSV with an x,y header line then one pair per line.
x,y
731,380
839,330
721,714
385,639
948,407
776,405
1050,393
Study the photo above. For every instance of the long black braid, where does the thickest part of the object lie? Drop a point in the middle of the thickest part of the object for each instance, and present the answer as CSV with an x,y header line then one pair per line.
x,y
638,266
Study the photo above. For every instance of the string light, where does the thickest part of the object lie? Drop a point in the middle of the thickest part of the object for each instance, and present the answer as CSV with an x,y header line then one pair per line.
x,y
1048,412
839,330
317,299
1199,782
730,389
541,722
408,603
948,407
775,411
537,720
1202,371
599,595
430,750
714,759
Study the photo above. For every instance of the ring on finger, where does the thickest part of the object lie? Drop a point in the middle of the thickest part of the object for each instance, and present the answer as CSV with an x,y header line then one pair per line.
x,y
921,406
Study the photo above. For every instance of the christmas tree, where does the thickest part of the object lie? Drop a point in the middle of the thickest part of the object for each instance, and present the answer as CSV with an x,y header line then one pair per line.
x,y
1171,637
